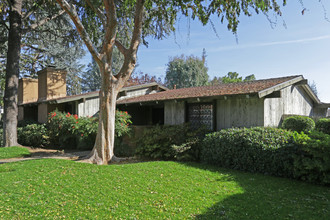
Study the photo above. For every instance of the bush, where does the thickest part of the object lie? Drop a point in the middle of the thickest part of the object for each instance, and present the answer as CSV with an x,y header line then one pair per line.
x,y
312,161
263,150
33,135
299,124
69,131
323,125
170,142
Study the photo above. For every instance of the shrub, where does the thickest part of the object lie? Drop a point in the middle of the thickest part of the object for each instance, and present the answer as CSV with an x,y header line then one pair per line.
x,y
170,142
312,161
70,131
263,150
33,135
299,123
323,125
1,137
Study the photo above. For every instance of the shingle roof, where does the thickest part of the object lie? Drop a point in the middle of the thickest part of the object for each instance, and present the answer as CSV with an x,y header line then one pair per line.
x,y
209,91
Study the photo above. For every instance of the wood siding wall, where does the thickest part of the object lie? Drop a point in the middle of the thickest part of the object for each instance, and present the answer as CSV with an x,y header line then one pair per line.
x,y
239,112
293,101
89,108
174,113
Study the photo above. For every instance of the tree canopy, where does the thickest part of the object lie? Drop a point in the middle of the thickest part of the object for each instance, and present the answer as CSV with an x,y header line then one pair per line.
x,y
231,77
124,25
186,71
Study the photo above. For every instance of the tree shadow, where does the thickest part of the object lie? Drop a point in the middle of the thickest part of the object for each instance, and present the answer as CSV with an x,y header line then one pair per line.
x,y
267,197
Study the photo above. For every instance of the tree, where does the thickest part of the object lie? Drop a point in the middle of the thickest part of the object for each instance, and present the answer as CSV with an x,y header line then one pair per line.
x,y
91,79
184,72
12,74
109,21
38,34
231,77
313,88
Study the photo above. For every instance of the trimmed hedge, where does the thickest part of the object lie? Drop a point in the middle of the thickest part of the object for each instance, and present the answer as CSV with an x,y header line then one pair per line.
x,y
271,151
263,150
323,125
33,135
299,123
312,161
169,142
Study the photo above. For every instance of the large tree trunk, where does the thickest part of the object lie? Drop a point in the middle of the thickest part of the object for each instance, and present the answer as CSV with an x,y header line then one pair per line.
x,y
103,151
12,74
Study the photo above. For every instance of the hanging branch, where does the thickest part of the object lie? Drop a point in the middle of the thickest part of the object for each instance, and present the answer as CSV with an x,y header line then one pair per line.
x,y
70,9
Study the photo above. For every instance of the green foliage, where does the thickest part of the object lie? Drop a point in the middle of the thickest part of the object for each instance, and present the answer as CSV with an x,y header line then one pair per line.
x,y
170,142
186,72
262,150
12,152
299,123
323,125
312,162
34,135
60,189
231,77
69,131
271,151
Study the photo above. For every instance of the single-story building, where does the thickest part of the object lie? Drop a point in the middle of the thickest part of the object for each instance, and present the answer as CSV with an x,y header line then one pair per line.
x,y
247,104
38,97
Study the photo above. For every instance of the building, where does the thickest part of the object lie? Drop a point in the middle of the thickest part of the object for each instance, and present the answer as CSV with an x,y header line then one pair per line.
x,y
38,97
247,104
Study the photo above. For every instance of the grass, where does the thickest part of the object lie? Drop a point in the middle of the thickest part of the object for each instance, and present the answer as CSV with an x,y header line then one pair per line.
x,y
49,188
11,152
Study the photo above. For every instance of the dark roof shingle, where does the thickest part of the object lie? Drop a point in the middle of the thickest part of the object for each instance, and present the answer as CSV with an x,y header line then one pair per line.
x,y
209,91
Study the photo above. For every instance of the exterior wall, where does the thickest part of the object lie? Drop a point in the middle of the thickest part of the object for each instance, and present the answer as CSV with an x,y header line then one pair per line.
x,y
51,84
20,113
138,92
239,112
174,113
88,108
42,113
27,90
293,101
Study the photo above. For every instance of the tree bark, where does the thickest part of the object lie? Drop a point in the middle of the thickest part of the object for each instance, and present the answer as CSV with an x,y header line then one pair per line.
x,y
12,74
103,151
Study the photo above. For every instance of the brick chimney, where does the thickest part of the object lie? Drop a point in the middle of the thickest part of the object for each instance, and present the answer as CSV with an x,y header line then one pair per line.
x,y
51,83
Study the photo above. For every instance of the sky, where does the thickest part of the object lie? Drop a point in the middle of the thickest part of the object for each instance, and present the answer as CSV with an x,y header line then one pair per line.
x,y
296,45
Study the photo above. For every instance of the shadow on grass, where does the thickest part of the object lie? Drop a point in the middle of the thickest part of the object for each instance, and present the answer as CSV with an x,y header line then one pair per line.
x,y
267,197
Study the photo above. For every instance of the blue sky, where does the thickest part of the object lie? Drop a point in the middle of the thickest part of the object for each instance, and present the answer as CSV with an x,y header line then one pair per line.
x,y
300,47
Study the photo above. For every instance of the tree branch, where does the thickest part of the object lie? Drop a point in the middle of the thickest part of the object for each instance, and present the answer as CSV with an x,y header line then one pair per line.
x,y
121,48
98,12
110,34
45,20
130,61
70,9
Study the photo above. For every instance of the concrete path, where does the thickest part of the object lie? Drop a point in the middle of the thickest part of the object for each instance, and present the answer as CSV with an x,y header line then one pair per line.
x,y
47,153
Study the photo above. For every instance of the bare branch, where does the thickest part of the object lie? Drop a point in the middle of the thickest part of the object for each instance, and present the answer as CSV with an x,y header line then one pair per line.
x,y
70,9
98,12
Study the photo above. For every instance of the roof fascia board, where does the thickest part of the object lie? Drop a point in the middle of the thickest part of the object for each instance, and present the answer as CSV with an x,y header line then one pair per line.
x,y
71,99
310,92
280,86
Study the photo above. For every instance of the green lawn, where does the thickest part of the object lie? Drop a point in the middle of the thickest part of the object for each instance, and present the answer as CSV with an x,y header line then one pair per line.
x,y
49,188
11,152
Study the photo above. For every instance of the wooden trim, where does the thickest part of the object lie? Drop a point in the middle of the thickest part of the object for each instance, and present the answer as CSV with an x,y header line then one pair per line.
x,y
280,86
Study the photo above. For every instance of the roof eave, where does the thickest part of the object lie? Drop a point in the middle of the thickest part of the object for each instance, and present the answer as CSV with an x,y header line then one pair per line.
x,y
280,86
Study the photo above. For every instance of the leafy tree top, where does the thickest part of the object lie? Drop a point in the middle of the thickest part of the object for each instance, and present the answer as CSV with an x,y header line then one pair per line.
x,y
183,72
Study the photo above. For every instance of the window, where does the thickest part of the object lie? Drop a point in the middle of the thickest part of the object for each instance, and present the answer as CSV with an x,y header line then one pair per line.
x,y
201,114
